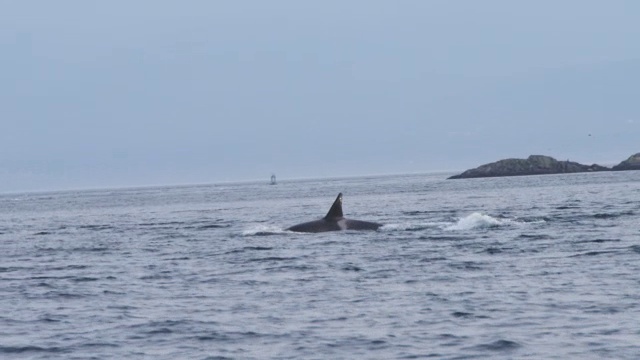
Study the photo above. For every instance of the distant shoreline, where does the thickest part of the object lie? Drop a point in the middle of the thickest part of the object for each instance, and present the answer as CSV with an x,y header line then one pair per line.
x,y
542,165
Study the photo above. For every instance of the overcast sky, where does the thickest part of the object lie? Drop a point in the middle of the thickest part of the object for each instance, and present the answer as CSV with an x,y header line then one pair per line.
x,y
147,92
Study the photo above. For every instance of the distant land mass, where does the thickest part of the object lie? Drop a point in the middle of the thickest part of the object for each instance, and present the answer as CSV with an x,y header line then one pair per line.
x,y
542,165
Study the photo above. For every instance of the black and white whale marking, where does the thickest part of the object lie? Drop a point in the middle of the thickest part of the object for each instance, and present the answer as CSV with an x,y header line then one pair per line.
x,y
334,221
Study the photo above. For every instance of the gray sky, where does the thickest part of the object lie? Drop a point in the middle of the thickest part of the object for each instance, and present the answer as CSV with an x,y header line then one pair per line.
x,y
148,92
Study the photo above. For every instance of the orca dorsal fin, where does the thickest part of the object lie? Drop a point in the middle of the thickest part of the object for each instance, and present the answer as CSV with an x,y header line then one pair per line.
x,y
336,209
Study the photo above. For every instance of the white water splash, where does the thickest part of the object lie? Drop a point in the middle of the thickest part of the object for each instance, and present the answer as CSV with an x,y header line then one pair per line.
x,y
261,230
478,220
412,226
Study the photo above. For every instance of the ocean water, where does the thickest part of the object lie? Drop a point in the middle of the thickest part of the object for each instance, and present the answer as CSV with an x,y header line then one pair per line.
x,y
536,267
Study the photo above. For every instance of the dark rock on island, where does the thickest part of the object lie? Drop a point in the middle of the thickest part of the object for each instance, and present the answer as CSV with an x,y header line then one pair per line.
x,y
533,165
632,163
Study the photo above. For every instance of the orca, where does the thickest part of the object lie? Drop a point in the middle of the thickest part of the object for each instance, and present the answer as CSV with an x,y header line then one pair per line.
x,y
334,221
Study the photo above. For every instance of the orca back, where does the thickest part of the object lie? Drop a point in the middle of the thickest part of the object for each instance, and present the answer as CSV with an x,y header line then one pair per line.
x,y
334,221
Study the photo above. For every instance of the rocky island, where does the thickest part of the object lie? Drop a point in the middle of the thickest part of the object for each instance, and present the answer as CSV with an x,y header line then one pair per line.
x,y
542,165
632,163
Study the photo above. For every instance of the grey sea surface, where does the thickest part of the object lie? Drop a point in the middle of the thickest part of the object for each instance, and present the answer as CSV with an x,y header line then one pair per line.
x,y
535,267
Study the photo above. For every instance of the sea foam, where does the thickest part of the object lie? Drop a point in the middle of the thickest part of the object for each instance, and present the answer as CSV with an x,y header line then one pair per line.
x,y
477,220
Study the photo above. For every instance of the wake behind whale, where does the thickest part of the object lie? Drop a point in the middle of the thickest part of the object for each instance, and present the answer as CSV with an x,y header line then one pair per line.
x,y
334,221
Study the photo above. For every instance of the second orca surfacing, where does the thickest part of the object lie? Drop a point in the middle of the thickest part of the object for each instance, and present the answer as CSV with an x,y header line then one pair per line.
x,y
334,221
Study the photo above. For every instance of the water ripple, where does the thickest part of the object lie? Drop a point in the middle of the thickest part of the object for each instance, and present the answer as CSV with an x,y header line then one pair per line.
x,y
208,272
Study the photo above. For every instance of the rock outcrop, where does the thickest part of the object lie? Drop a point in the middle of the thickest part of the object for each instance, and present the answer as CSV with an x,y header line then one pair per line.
x,y
533,165
632,163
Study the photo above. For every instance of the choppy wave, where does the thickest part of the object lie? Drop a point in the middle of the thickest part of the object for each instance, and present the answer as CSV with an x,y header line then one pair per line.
x,y
163,276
